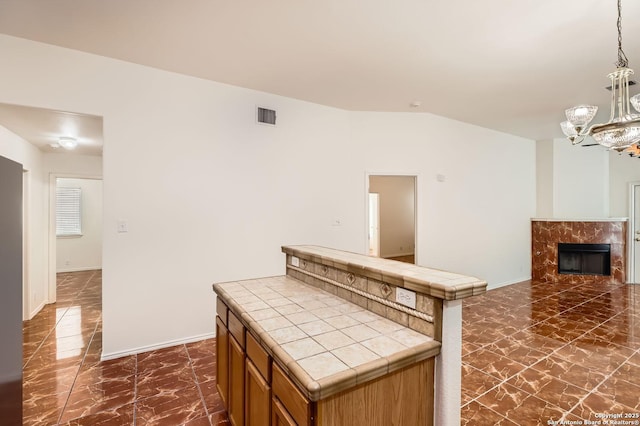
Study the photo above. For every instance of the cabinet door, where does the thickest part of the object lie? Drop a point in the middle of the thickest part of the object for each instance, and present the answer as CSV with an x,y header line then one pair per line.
x,y
258,397
222,361
297,406
236,383
280,416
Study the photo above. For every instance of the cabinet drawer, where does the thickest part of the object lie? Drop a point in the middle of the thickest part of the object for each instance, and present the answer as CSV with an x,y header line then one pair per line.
x,y
295,402
222,361
258,356
221,310
236,329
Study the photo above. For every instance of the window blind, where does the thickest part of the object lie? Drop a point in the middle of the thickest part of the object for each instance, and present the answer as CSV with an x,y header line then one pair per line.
x,y
68,211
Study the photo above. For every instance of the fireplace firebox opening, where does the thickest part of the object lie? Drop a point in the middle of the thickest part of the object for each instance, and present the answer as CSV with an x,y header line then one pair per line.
x,y
584,259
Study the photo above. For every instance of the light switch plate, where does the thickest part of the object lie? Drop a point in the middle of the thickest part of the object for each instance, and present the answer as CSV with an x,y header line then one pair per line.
x,y
406,297
123,226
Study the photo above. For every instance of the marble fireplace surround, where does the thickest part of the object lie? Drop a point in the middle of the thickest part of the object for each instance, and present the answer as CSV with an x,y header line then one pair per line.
x,y
547,233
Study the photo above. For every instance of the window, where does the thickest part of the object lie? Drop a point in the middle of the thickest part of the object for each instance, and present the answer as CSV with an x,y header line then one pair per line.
x,y
68,212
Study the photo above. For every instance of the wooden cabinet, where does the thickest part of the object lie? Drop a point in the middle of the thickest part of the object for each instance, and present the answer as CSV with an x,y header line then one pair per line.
x,y
222,361
236,373
257,384
280,416
257,397
257,392
289,400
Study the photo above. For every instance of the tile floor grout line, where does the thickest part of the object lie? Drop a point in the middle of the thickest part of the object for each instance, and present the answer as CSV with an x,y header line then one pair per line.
x,y
197,382
501,416
79,368
50,331
594,321
135,390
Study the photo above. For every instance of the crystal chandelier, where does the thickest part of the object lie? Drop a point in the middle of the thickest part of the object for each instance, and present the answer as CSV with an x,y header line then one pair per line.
x,y
623,128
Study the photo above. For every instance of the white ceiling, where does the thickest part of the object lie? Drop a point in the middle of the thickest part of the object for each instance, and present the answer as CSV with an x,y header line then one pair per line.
x,y
41,127
508,65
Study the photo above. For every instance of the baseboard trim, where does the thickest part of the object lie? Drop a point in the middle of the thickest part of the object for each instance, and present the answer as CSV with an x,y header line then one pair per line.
x,y
81,269
386,256
510,282
37,310
169,343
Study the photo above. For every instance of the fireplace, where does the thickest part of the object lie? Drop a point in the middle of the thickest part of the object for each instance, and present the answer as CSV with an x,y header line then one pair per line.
x,y
584,259
593,265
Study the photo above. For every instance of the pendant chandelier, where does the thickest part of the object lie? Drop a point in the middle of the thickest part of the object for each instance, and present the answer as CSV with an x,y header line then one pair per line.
x,y
623,128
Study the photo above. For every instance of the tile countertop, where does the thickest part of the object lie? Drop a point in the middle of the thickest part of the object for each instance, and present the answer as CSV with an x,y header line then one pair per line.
x,y
325,343
433,282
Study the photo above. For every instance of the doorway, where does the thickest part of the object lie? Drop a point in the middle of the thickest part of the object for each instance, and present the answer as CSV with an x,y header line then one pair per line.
x,y
634,234
25,245
391,217
82,251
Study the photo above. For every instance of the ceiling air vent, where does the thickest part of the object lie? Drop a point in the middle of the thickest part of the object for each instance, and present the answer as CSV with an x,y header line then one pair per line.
x,y
266,116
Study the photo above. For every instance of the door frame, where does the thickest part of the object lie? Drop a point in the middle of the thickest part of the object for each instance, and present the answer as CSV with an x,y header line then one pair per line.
x,y
631,252
53,177
416,206
26,285
377,216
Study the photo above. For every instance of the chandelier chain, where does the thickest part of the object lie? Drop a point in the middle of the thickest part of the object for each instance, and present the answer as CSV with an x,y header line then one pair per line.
x,y
623,62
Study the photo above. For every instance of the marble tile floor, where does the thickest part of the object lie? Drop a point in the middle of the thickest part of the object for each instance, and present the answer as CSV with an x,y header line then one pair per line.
x,y
534,353
64,382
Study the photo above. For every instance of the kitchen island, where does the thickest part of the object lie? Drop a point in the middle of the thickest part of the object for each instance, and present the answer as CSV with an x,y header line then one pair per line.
x,y
341,339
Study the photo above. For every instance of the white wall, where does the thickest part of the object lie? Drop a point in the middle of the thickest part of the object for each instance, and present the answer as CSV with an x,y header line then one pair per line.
x,y
84,252
64,165
572,180
72,165
397,213
622,171
581,185
19,150
210,196
477,221
544,178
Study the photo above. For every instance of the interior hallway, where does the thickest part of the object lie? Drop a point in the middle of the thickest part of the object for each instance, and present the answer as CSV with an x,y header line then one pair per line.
x,y
65,383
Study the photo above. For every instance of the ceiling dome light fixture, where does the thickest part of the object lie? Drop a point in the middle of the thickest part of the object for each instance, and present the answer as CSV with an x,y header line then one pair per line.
x,y
67,142
623,128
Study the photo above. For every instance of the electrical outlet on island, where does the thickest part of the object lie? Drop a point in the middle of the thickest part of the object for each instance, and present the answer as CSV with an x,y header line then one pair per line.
x,y
406,297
